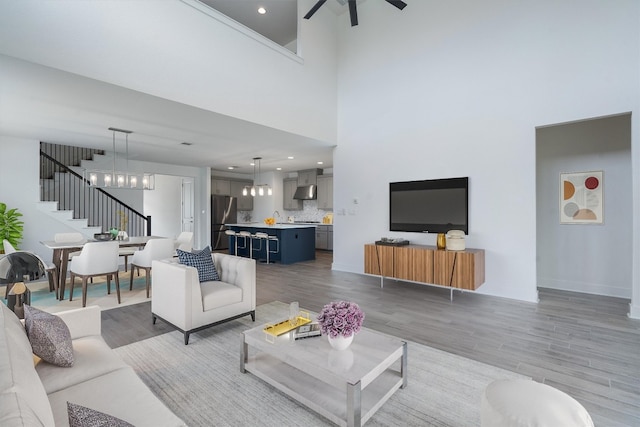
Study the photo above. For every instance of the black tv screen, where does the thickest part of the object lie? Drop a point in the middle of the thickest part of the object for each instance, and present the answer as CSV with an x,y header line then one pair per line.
x,y
430,206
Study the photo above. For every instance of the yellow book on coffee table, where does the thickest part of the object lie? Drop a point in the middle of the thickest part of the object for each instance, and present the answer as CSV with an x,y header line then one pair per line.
x,y
286,326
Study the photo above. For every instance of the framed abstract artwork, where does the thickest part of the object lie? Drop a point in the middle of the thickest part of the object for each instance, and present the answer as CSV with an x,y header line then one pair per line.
x,y
581,198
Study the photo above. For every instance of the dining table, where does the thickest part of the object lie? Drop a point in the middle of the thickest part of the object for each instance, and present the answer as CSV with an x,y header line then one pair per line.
x,y
62,250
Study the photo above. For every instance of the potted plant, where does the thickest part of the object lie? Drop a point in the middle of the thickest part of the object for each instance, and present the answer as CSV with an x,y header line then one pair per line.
x,y
340,321
11,226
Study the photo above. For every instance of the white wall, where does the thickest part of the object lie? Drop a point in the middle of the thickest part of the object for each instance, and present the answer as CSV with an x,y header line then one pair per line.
x,y
440,89
164,206
591,258
172,50
447,89
20,186
263,207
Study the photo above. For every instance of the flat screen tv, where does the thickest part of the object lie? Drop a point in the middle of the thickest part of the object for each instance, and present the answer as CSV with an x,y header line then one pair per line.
x,y
429,206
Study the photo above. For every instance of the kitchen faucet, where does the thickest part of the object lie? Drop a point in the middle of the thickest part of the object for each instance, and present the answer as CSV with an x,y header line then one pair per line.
x,y
276,213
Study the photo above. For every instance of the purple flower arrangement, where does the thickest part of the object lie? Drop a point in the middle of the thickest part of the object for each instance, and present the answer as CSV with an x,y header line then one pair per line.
x,y
340,318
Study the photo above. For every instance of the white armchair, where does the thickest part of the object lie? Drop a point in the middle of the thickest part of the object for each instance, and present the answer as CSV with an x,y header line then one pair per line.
x,y
190,306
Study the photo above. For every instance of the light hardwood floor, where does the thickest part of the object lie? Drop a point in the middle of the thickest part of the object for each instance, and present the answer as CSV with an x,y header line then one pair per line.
x,y
582,344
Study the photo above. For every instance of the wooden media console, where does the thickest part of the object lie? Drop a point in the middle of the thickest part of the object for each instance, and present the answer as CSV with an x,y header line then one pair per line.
x,y
463,270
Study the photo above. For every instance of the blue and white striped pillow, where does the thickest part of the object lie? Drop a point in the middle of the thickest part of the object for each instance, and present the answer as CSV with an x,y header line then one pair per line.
x,y
202,261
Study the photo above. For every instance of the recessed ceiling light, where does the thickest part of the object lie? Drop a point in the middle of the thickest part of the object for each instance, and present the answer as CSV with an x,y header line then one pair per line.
x,y
262,10
290,157
320,163
278,169
231,167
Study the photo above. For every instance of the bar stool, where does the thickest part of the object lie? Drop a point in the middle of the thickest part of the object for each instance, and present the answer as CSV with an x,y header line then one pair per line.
x,y
236,236
273,239
259,238
247,235
267,239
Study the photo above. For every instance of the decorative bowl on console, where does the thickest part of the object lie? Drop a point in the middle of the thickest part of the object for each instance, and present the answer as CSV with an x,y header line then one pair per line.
x,y
103,237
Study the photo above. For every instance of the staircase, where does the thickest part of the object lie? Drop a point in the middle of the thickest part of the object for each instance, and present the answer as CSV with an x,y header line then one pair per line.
x,y
66,196
66,217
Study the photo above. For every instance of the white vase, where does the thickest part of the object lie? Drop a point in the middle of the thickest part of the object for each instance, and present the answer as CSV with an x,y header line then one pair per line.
x,y
340,342
340,361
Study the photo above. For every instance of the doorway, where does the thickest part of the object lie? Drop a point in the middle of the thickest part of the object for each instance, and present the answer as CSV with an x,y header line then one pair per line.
x,y
171,205
187,204
593,258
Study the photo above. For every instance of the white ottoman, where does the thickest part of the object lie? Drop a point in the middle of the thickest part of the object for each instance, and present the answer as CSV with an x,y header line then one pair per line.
x,y
526,403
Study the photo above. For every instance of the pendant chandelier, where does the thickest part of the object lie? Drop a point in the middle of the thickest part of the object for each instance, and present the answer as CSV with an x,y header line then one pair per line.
x,y
257,189
117,178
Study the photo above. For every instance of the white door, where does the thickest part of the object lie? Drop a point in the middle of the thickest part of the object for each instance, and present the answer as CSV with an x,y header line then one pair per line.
x,y
187,205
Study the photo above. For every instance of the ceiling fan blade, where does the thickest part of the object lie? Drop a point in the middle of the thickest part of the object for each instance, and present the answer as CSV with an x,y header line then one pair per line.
x,y
397,3
353,13
314,9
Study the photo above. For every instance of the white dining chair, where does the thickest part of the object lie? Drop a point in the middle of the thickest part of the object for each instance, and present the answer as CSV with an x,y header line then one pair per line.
x,y
95,259
50,268
126,252
155,249
68,237
184,241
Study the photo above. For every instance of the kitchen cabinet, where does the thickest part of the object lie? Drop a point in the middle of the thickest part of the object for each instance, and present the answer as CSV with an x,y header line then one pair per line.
x,y
324,237
296,242
308,177
244,203
289,186
220,187
325,192
233,187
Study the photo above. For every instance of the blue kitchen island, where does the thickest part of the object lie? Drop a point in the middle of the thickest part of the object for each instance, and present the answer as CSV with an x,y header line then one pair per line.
x,y
296,242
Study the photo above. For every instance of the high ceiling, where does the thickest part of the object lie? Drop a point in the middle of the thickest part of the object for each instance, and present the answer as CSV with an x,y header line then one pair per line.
x,y
61,108
278,23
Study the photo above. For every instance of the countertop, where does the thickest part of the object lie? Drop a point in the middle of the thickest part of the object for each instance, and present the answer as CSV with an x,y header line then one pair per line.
x,y
277,226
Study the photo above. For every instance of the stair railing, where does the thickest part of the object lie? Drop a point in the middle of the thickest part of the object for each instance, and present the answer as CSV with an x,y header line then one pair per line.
x,y
101,209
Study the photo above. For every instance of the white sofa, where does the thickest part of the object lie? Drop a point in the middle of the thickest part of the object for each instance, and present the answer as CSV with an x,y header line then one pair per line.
x,y
190,306
35,393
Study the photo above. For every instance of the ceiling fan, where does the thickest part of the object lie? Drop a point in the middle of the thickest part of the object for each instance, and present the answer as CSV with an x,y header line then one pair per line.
x,y
353,12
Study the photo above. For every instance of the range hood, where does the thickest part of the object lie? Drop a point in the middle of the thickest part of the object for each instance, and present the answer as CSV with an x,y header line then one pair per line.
x,y
306,192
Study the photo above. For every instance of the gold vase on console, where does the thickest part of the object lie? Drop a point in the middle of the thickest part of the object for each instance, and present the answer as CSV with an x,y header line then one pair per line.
x,y
441,242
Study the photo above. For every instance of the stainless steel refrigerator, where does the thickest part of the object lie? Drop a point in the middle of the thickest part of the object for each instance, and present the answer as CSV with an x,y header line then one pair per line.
x,y
224,211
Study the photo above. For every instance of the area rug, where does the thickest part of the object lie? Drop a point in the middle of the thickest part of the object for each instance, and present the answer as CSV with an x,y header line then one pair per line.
x,y
96,294
202,383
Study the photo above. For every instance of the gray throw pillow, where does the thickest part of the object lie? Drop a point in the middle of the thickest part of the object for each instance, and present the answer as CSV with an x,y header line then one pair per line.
x,y
80,416
49,337
202,261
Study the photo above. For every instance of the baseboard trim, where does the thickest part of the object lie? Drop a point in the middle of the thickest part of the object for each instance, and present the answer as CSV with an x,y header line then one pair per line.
x,y
634,311
584,287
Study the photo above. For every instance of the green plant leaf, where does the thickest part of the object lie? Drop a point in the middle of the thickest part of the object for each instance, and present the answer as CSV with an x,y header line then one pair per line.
x,y
11,227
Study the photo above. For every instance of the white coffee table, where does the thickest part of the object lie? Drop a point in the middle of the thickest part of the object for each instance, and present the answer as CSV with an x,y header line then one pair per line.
x,y
347,387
